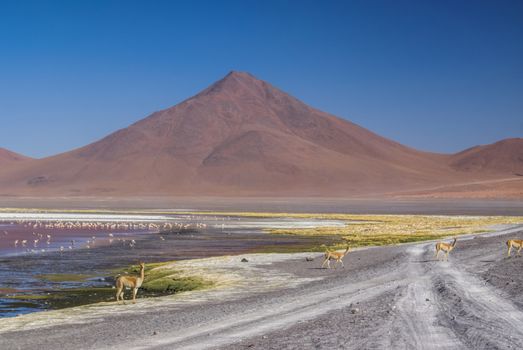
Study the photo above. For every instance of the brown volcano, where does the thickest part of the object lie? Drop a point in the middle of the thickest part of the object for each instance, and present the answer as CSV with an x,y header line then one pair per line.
x,y
240,136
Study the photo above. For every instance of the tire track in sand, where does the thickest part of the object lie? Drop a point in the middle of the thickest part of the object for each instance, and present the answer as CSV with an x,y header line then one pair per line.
x,y
446,307
415,325
232,328
481,317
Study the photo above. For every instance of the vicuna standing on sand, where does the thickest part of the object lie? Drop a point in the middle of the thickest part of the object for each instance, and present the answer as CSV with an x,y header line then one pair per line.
x,y
516,243
337,256
133,282
445,247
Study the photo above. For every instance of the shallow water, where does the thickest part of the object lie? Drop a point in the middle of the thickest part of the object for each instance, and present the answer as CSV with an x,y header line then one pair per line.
x,y
44,270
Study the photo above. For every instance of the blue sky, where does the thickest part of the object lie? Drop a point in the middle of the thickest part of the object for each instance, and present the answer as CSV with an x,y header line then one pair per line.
x,y
436,75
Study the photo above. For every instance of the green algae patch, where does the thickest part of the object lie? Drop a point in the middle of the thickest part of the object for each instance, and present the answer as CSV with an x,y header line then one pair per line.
x,y
80,296
175,284
58,299
161,279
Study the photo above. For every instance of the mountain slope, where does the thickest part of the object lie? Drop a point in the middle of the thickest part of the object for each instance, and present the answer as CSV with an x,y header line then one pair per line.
x,y
7,156
240,136
504,157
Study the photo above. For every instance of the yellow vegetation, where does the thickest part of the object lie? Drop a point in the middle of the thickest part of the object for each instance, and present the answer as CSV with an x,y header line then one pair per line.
x,y
359,230
364,230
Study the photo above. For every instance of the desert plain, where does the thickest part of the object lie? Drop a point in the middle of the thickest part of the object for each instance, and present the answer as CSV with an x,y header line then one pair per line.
x,y
261,283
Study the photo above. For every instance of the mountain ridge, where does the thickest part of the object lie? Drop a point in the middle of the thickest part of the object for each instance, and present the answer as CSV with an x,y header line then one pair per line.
x,y
10,156
239,136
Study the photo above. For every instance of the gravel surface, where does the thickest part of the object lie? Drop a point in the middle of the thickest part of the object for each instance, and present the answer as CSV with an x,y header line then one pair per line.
x,y
389,297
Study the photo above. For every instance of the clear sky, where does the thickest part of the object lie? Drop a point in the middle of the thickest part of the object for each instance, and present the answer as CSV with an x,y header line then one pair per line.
x,y
435,75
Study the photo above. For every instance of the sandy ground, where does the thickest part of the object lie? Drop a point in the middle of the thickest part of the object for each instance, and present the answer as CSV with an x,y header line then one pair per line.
x,y
389,297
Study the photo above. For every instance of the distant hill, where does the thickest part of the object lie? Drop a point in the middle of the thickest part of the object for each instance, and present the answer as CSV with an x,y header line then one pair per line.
x,y
240,136
7,156
503,157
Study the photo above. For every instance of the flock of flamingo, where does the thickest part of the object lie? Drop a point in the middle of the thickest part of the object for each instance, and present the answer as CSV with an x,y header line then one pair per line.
x,y
40,242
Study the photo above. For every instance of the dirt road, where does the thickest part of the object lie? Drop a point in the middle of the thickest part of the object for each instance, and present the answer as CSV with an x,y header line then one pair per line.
x,y
390,297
